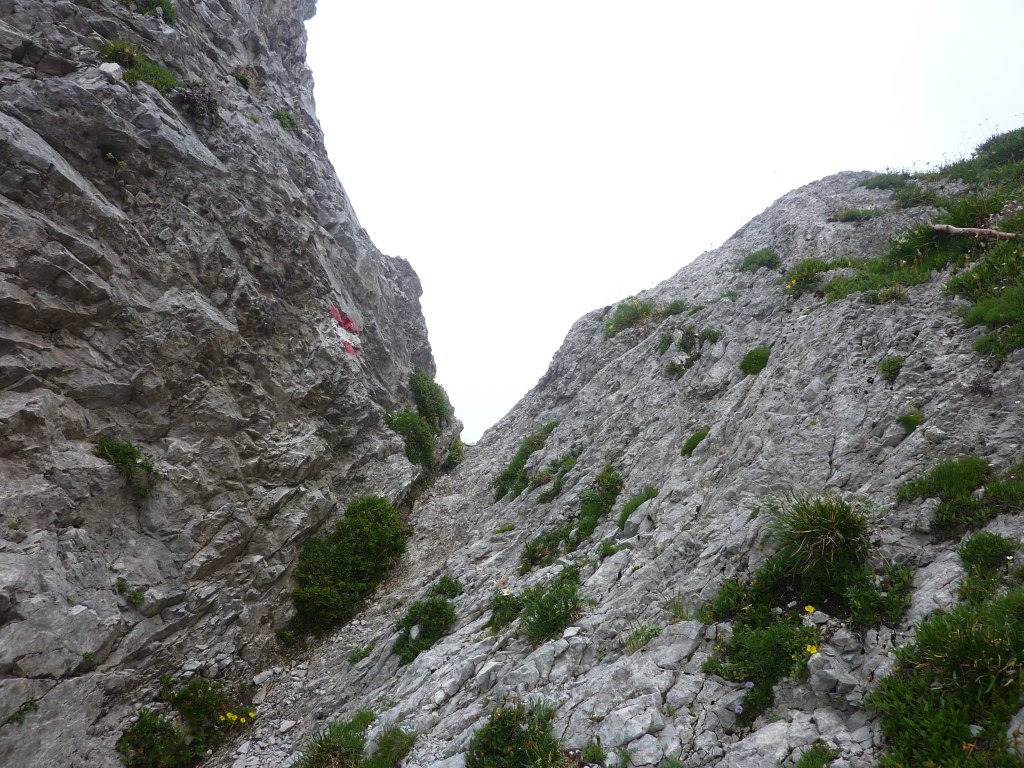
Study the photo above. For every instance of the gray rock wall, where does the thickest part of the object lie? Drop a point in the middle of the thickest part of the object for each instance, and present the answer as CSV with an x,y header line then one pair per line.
x,y
165,279
819,416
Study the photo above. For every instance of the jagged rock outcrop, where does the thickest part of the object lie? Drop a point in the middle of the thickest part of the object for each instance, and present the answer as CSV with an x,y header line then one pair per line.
x,y
167,281
170,257
819,416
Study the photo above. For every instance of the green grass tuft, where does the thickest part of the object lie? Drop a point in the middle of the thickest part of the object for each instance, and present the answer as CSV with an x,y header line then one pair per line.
x,y
597,501
635,501
765,257
550,607
434,617
890,367
513,480
755,360
516,736
694,440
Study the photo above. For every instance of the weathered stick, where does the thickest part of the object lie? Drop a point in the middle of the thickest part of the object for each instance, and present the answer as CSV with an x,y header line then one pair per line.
x,y
949,229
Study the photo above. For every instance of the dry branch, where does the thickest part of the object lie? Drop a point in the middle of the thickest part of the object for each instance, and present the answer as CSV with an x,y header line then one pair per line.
x,y
949,229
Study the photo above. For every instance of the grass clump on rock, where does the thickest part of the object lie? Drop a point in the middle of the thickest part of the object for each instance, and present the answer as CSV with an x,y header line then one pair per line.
x,y
341,745
755,360
433,413
597,501
694,440
890,367
513,480
517,736
140,474
969,491
633,503
424,623
550,607
337,572
821,560
951,698
765,257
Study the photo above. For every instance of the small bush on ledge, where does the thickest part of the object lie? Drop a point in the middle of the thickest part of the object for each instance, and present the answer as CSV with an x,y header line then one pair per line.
x,y
694,440
139,472
424,623
517,736
513,480
336,572
765,257
755,360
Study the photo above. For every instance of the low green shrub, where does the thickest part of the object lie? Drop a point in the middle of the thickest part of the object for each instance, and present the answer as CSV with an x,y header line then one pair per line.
x,y
954,484
818,755
550,607
694,440
133,595
628,314
689,340
986,558
765,257
341,745
607,548
434,616
505,608
593,752
431,400
675,369
513,480
664,342
803,276
26,708
156,7
597,501
140,474
910,420
635,501
821,560
557,468
710,335
361,653
887,180
418,436
675,307
337,572
858,214
544,549
755,360
286,119
456,453
121,52
146,71
638,635
446,586
516,736
890,367
950,700
207,713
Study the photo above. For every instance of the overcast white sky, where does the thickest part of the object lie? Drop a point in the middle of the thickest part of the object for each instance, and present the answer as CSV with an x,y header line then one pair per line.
x,y
538,159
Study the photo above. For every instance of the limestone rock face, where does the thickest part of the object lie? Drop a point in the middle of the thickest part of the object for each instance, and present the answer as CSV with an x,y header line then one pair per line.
x,y
168,265
167,278
817,417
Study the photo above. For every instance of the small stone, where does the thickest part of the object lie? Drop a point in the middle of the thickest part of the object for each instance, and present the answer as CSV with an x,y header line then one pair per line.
x,y
285,726
112,71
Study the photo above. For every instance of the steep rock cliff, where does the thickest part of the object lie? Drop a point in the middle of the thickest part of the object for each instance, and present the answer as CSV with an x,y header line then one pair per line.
x,y
818,417
170,258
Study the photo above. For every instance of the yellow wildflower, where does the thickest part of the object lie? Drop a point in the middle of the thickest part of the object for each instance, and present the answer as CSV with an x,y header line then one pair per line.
x,y
809,608
812,649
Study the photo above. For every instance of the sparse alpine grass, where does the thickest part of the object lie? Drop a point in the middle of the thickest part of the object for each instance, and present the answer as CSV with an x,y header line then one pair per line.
x,y
822,559
890,367
339,570
910,419
505,608
694,440
755,361
446,586
818,755
950,700
954,484
286,119
766,258
433,413
545,549
597,501
517,736
140,474
416,432
206,713
986,558
158,7
635,501
556,469
434,616
343,744
848,215
638,635
513,480
550,607
628,314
